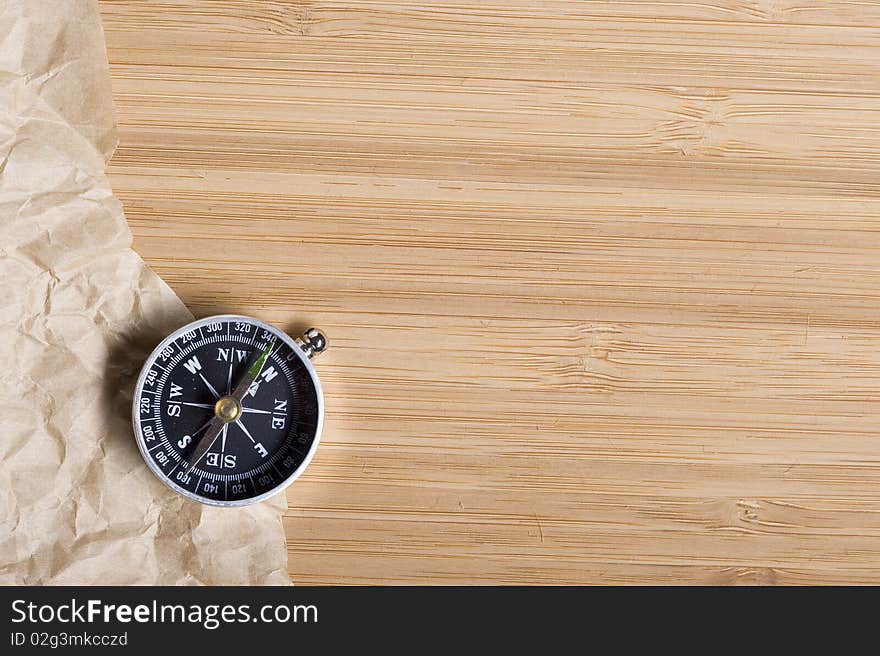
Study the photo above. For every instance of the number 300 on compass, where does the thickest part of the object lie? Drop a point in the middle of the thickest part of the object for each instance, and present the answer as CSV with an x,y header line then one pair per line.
x,y
228,410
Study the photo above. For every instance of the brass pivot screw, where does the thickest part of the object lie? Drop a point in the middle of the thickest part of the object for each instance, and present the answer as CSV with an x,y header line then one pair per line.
x,y
227,409
313,342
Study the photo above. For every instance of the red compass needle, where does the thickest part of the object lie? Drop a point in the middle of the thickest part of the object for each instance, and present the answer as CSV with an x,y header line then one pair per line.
x,y
228,408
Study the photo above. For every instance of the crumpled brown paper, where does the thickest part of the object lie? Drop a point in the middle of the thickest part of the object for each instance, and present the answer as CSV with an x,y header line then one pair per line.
x,y
79,312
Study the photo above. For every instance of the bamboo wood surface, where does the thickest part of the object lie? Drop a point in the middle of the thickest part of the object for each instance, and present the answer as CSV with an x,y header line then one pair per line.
x,y
600,278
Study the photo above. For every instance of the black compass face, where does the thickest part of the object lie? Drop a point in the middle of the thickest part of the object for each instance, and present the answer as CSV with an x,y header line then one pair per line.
x,y
277,422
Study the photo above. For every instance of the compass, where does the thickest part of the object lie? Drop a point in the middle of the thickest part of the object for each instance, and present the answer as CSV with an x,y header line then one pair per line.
x,y
228,410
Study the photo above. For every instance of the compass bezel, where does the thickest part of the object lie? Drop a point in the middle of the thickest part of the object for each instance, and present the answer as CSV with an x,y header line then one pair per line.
x,y
194,325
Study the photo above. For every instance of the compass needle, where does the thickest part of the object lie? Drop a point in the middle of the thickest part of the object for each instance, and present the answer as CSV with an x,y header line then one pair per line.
x,y
189,445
